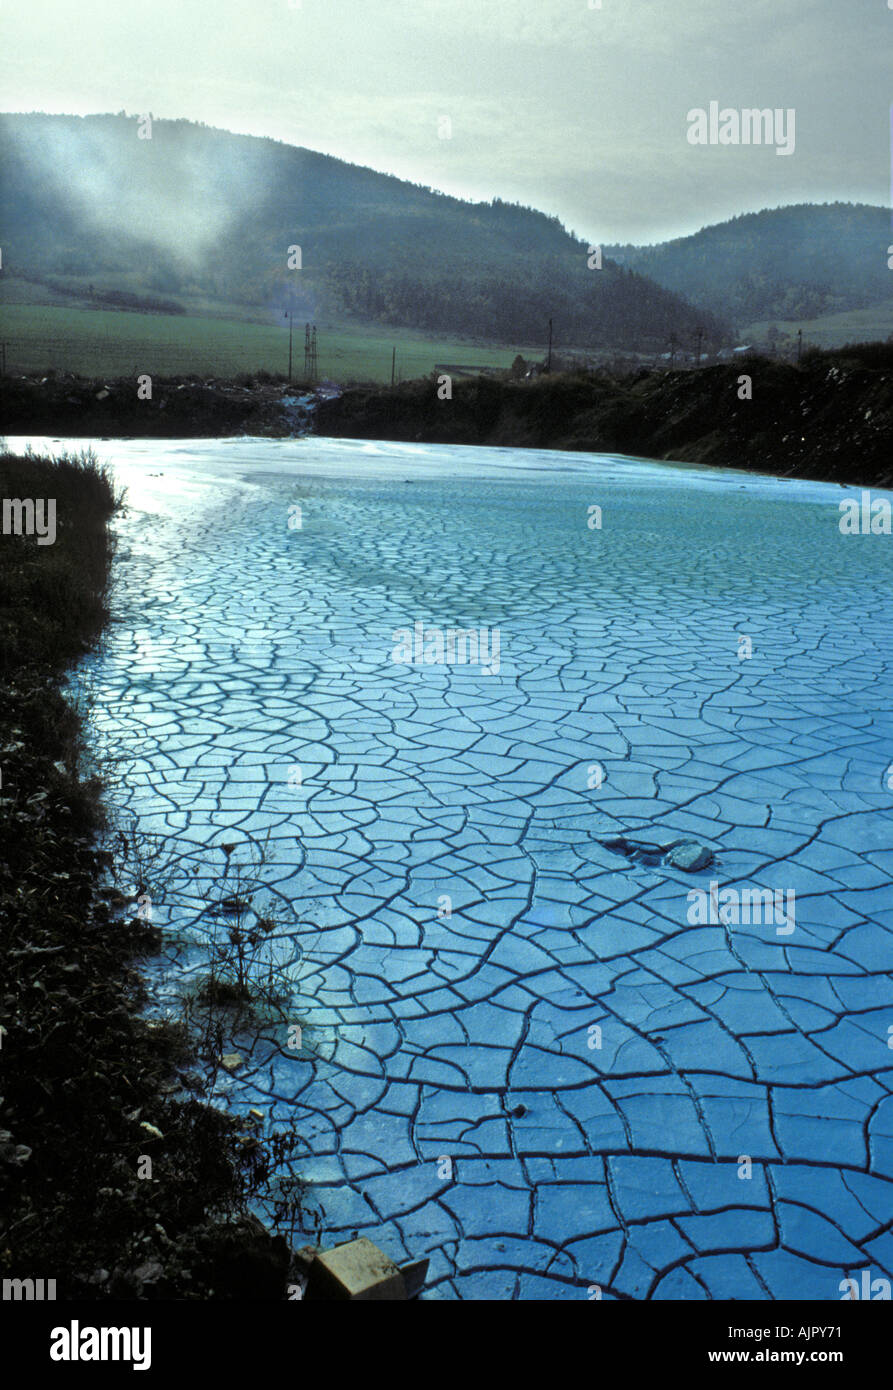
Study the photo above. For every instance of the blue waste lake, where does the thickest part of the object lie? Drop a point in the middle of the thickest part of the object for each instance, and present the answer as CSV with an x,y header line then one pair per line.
x,y
521,1042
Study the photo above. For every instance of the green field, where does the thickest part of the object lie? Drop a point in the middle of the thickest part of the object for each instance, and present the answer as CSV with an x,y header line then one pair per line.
x,y
99,342
832,330
218,340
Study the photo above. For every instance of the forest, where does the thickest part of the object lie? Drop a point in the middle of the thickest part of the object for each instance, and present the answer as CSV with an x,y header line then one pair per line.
x,y
94,205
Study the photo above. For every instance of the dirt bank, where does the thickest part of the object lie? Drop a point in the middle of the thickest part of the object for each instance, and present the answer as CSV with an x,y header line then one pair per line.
x,y
179,407
829,418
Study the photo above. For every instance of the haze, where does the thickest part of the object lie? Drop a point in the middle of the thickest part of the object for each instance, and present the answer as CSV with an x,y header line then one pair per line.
x,y
559,104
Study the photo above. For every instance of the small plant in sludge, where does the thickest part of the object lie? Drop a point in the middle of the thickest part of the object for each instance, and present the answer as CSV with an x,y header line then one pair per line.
x,y
244,969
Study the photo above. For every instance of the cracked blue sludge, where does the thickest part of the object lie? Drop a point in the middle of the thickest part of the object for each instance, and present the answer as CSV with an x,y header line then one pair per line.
x,y
629,1100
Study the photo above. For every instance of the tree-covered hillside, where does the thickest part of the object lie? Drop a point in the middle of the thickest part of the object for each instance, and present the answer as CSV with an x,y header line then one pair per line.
x,y
192,210
783,263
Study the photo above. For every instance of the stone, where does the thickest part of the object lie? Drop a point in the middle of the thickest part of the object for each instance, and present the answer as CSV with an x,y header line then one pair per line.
x,y
15,1155
414,1276
231,1061
690,856
358,1271
149,1272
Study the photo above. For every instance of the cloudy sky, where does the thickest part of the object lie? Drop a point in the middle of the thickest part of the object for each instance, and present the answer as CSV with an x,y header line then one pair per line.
x,y
573,106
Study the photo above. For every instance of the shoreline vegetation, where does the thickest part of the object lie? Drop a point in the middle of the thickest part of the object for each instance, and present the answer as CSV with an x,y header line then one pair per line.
x,y
116,1179
829,418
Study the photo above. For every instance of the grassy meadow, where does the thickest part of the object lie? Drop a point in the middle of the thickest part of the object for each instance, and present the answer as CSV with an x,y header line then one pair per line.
x,y
831,330
110,342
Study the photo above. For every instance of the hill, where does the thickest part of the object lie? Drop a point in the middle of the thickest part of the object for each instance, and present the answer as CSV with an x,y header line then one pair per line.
x,y
189,212
793,263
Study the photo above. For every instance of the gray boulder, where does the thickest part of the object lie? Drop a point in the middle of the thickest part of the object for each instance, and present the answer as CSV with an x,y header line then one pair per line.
x,y
690,856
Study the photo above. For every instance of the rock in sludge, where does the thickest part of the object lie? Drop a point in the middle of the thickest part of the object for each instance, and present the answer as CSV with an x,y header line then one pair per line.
x,y
690,856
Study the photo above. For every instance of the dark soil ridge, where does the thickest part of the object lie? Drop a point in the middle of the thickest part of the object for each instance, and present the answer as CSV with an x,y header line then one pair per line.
x,y
180,407
90,1088
828,418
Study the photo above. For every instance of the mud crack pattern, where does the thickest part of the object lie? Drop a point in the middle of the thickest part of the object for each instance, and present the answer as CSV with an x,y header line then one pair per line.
x,y
562,1083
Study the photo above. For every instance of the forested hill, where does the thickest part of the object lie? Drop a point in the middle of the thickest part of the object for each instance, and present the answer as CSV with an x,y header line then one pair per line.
x,y
783,263
194,210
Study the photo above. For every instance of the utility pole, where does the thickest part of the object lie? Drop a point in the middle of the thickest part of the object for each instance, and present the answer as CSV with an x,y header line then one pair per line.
x,y
700,337
799,345
314,361
549,359
393,365
289,317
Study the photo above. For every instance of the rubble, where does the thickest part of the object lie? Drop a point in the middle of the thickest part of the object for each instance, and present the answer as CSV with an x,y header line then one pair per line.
x,y
359,1271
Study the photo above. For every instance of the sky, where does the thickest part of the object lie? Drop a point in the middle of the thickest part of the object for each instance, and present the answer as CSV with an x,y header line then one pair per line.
x,y
577,107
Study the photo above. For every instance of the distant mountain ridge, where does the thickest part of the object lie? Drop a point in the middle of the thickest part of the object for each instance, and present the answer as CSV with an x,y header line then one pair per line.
x,y
195,210
783,263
